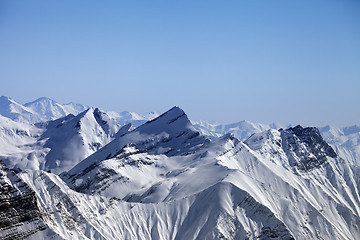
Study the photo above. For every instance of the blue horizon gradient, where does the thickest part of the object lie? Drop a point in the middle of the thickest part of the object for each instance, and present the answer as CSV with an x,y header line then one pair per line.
x,y
263,61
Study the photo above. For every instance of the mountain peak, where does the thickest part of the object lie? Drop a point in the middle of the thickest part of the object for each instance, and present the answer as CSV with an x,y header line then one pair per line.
x,y
73,138
170,134
41,100
11,109
306,147
173,112
173,116
351,129
175,109
7,100
4,98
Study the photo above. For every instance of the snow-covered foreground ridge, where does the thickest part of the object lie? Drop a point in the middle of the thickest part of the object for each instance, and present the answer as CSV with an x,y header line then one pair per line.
x,y
165,180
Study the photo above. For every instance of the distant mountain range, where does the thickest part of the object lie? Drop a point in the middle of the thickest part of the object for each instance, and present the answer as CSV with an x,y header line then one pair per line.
x,y
40,110
45,109
42,135
345,140
106,175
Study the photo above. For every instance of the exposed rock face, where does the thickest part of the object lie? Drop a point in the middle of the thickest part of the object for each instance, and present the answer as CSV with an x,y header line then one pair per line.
x,y
19,214
301,147
306,147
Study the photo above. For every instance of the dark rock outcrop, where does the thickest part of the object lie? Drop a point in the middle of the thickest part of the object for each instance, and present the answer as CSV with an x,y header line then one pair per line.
x,y
306,147
19,213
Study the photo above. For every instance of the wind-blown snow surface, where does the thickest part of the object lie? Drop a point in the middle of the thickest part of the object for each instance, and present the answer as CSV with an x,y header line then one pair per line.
x,y
40,110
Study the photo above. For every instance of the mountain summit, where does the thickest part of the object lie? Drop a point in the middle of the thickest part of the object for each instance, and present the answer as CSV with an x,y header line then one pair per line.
x,y
52,110
280,184
164,180
56,145
171,134
11,109
306,147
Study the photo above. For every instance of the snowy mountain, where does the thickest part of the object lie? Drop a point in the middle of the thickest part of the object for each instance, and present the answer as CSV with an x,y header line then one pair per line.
x,y
49,109
241,130
20,145
20,217
279,184
135,119
14,110
56,145
40,110
169,134
73,138
345,141
166,180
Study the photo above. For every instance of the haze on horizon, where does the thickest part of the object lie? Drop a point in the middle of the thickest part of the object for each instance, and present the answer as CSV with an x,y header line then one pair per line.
x,y
263,61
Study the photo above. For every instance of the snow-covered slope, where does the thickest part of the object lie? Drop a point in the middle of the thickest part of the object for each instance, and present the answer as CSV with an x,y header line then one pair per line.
x,y
49,109
40,110
73,138
164,180
11,109
345,141
170,134
222,211
280,184
319,201
45,109
56,145
19,144
135,119
241,130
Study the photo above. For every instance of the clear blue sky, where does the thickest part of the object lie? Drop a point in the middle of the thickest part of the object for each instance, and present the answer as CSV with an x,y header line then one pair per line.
x,y
265,60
